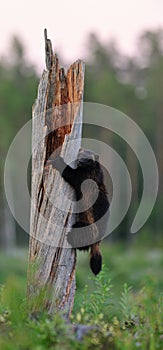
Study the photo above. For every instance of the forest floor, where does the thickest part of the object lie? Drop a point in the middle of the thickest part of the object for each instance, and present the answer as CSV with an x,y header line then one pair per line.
x,y
123,304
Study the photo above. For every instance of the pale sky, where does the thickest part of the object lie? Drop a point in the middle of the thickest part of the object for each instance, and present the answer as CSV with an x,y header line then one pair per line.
x,y
69,22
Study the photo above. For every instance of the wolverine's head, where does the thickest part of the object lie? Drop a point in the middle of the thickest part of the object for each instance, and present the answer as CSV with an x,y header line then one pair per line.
x,y
86,157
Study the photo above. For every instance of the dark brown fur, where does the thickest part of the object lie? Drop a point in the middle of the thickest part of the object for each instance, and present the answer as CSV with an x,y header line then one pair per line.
x,y
91,221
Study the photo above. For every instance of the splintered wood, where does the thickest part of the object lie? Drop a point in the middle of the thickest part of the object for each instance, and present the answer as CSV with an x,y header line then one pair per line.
x,y
57,128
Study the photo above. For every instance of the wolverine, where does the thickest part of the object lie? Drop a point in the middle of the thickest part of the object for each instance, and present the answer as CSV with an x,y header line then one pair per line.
x,y
92,204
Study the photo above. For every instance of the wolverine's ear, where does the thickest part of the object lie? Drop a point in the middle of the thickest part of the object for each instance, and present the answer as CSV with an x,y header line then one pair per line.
x,y
81,150
96,157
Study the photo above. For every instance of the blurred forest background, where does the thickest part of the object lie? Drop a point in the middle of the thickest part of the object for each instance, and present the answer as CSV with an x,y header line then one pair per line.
x,y
133,85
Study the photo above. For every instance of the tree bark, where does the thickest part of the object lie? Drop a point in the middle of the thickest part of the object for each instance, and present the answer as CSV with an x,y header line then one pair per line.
x,y
57,127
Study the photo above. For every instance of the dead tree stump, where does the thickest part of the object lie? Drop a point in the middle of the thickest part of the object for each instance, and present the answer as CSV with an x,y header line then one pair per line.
x,y
57,127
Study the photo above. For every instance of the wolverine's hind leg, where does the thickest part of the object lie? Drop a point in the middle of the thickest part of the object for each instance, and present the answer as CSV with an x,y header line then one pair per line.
x,y
78,236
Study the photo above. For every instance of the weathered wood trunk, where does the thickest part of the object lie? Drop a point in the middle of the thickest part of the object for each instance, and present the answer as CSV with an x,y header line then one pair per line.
x,y
57,127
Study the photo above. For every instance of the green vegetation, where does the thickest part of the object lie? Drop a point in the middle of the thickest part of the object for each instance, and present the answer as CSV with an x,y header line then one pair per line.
x,y
123,304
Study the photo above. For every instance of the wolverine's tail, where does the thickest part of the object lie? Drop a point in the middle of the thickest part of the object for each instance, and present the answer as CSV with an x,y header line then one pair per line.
x,y
96,258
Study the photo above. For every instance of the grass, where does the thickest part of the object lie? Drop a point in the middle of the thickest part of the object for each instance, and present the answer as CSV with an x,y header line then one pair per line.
x,y
124,302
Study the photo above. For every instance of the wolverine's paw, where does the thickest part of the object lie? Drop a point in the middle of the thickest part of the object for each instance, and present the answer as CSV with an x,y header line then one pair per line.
x,y
57,163
73,238
96,263
79,236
